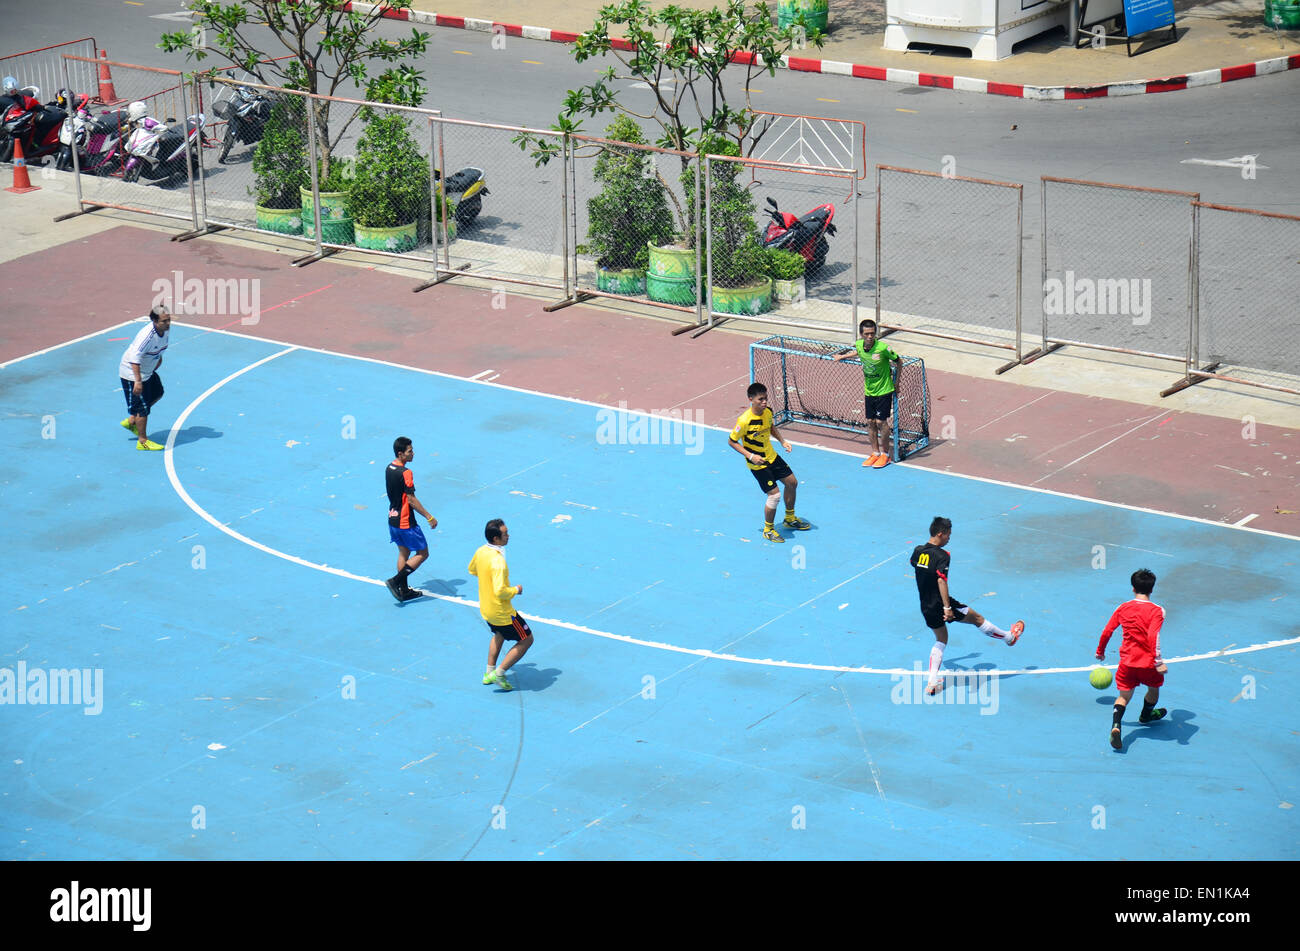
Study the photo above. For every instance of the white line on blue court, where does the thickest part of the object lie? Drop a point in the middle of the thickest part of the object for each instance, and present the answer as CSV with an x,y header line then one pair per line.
x,y
702,653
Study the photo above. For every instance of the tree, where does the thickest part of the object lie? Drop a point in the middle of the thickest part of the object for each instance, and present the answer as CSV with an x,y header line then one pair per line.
x,y
328,44
682,56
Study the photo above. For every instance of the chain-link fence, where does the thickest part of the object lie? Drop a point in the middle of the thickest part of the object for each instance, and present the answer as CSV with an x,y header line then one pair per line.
x,y
44,68
791,259
1117,268
143,154
1248,282
507,214
635,222
948,257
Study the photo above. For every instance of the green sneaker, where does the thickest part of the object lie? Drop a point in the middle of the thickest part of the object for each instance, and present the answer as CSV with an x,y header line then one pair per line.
x,y
487,678
798,524
772,535
127,424
1156,714
1115,742
500,680
148,446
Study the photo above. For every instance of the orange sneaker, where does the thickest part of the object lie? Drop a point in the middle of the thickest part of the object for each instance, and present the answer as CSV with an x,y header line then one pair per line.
x,y
869,461
1014,634
882,460
934,689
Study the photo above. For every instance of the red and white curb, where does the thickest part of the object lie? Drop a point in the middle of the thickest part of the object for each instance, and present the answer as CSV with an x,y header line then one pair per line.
x,y
1205,77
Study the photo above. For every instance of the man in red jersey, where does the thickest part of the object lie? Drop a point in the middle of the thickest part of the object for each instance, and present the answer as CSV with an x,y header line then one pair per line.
x,y
1139,652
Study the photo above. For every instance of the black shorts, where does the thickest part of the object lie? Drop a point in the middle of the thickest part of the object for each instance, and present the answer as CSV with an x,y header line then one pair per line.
x,y
933,613
772,474
513,631
139,405
879,407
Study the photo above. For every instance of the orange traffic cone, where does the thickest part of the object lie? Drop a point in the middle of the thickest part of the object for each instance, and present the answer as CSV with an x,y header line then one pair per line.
x,y
21,182
107,94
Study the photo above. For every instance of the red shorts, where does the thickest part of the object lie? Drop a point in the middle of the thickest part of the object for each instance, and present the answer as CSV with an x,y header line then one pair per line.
x,y
1127,678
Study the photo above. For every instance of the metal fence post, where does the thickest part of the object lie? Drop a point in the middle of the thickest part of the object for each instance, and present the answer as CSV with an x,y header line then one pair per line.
x,y
190,157
1020,260
203,175
1193,293
1042,286
853,286
313,160
568,169
708,231
878,232
699,238
76,159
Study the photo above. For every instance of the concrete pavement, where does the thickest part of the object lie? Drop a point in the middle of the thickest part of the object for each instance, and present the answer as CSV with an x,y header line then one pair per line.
x,y
1218,42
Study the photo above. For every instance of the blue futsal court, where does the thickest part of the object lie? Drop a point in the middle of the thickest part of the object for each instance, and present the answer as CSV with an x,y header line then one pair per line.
x,y
694,692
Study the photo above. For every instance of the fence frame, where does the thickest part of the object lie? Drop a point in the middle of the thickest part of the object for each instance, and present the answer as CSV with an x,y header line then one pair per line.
x,y
757,163
60,66
804,122
86,207
1050,345
886,329
1196,374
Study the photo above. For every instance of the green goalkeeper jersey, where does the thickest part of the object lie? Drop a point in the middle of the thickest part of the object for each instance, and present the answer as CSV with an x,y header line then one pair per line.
x,y
877,371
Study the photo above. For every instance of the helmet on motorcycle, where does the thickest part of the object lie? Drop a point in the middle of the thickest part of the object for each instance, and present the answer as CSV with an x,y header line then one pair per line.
x,y
64,99
136,111
10,86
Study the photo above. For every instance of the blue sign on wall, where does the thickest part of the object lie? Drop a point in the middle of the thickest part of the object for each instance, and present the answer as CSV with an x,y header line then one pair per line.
x,y
1143,16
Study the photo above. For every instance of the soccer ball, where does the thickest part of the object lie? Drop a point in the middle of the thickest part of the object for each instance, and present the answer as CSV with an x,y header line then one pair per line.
x,y
1100,677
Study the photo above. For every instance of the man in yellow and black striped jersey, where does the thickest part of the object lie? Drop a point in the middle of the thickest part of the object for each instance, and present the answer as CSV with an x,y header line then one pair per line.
x,y
752,438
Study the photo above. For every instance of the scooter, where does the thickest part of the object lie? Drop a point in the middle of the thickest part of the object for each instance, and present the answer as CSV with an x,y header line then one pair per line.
x,y
805,236
466,189
97,139
35,125
245,116
156,150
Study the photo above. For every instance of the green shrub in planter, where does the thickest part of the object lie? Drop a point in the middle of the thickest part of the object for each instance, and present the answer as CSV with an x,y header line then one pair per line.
x,y
787,270
631,212
390,185
280,166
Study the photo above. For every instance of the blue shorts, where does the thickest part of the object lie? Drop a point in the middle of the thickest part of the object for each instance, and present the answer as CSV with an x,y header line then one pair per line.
x,y
411,539
139,405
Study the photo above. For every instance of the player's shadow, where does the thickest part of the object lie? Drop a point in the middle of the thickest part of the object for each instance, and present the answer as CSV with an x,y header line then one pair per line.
x,y
981,668
1177,726
530,677
195,433
450,587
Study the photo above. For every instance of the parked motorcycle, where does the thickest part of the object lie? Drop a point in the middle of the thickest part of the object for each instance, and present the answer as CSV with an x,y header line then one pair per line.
x,y
156,151
35,125
805,236
245,116
97,139
465,189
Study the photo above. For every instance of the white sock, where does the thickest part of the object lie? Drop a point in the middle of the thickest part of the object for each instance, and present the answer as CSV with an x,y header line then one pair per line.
x,y
490,668
992,630
936,658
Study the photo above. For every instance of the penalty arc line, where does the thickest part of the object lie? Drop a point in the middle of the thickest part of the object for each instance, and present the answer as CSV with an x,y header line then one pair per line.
x,y
703,653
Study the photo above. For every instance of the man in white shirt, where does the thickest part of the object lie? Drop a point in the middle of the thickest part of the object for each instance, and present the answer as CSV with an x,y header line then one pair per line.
x,y
141,384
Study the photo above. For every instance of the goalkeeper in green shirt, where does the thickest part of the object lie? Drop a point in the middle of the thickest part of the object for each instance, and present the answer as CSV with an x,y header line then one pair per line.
x,y
879,368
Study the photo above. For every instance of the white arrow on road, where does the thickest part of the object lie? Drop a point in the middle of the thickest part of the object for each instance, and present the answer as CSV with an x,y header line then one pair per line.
x,y
1241,161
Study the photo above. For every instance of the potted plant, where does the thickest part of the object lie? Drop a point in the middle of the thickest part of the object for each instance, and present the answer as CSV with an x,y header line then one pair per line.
x,y
389,192
739,262
280,168
787,270
629,216
332,185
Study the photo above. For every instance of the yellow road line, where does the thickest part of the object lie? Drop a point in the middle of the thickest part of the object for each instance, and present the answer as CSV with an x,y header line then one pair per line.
x,y
820,99
530,62
462,53
913,111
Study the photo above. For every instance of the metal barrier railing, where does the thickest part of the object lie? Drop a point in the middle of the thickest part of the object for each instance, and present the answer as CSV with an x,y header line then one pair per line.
x,y
45,68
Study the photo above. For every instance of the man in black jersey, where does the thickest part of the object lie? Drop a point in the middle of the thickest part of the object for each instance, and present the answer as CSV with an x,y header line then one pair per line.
x,y
403,529
938,606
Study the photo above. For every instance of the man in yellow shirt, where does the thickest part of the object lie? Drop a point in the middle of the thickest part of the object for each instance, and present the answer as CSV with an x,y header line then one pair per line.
x,y
752,437
495,592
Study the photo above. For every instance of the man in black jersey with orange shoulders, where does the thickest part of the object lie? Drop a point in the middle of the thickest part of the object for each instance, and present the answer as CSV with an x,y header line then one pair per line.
x,y
403,529
938,606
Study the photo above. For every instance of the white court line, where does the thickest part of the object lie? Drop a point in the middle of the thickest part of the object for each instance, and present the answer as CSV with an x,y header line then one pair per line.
x,y
481,374
1248,518
727,429
1009,412
581,629
1099,448
68,343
